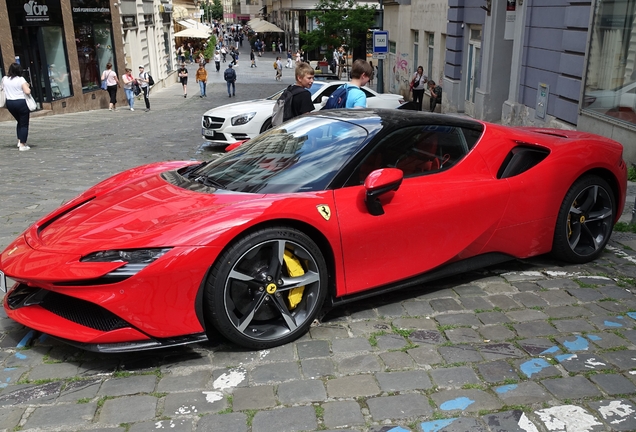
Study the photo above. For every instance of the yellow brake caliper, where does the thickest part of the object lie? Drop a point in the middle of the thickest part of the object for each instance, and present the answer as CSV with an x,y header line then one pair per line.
x,y
294,269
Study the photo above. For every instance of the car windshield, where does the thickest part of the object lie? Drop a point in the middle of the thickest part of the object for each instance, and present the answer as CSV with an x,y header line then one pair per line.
x,y
313,89
302,155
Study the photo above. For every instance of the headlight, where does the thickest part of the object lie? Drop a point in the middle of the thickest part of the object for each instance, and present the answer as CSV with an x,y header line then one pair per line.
x,y
136,260
243,118
133,256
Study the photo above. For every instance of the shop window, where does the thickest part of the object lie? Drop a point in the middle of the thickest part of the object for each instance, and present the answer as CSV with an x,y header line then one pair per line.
x,y
610,81
93,36
57,70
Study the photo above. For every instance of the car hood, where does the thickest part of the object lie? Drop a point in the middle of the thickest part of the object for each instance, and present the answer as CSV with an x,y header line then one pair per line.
x,y
149,212
230,110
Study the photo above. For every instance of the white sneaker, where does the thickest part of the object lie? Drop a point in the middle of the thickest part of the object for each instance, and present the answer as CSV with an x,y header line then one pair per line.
x,y
24,147
18,143
132,109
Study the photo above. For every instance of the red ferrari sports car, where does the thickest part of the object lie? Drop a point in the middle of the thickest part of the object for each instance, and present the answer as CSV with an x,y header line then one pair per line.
x,y
323,210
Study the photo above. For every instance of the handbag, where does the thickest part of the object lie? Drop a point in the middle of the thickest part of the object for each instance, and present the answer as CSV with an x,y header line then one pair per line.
x,y
30,102
104,85
3,97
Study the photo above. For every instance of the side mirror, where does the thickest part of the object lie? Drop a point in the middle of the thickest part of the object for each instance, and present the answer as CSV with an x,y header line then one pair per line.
x,y
378,183
323,100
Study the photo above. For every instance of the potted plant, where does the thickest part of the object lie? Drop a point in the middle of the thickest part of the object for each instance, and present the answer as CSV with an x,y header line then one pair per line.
x,y
208,53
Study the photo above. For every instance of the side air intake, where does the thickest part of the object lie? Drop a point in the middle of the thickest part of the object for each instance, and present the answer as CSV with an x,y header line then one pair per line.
x,y
521,159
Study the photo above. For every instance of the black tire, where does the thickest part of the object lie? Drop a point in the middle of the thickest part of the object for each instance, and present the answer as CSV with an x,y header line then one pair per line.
x,y
585,220
248,293
267,125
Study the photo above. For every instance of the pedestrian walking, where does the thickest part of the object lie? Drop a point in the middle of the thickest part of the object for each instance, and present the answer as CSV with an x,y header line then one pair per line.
x,y
418,85
181,53
191,52
230,78
253,59
202,78
129,81
289,60
183,79
144,82
217,60
15,89
224,54
112,83
278,65
201,58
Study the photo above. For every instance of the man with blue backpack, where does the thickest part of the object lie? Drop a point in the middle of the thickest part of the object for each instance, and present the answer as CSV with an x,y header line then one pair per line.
x,y
350,95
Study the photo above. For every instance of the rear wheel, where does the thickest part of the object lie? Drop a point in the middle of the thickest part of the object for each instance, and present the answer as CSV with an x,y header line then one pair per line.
x,y
267,288
585,220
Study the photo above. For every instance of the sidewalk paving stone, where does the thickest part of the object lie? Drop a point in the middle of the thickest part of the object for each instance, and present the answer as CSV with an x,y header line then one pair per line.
x,y
399,407
67,416
192,381
415,324
534,328
508,421
618,414
497,371
523,393
458,319
571,387
352,386
403,381
317,368
253,398
460,354
80,390
613,384
470,400
173,425
128,386
342,414
194,403
356,344
359,364
234,422
313,348
496,333
10,417
395,360
128,409
454,377
275,372
301,392
390,342
294,419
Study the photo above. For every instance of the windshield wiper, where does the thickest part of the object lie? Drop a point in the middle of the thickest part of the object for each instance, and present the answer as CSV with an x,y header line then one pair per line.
x,y
207,181
189,170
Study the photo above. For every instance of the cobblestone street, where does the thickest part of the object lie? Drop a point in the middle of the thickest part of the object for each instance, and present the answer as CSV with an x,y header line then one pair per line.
x,y
532,345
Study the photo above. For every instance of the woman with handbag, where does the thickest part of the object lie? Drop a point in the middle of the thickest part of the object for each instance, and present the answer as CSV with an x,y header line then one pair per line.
x,y
112,83
418,85
129,81
17,90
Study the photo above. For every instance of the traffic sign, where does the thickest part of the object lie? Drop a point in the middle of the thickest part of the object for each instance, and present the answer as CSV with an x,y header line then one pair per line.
x,y
381,42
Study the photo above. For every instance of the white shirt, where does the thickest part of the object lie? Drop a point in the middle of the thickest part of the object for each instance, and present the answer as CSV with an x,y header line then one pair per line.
x,y
419,84
13,87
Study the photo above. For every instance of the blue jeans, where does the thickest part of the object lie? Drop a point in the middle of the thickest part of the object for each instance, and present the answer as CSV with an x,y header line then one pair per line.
x,y
130,96
231,83
202,85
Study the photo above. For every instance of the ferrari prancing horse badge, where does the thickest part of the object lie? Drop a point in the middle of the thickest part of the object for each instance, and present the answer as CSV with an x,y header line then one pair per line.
x,y
324,211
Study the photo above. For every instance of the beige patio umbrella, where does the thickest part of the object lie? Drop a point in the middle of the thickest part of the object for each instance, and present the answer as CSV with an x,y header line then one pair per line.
x,y
266,27
193,33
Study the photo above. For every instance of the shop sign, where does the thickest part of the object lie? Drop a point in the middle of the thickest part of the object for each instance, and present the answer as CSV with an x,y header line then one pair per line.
x,y
165,8
129,21
38,12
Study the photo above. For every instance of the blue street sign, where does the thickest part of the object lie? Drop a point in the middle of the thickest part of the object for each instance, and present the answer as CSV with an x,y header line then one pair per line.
x,y
380,42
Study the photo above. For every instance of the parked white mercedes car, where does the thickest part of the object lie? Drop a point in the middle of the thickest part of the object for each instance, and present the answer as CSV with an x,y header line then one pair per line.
x,y
239,121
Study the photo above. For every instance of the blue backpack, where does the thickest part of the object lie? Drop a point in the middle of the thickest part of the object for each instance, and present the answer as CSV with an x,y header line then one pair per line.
x,y
338,98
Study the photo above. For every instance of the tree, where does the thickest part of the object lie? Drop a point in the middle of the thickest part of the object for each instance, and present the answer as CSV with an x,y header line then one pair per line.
x,y
214,10
341,22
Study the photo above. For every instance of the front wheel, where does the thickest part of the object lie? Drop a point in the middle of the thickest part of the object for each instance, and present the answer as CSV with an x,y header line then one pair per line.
x,y
267,288
267,125
585,220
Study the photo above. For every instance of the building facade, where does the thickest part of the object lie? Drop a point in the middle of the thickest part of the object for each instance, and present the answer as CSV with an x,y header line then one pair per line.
x,y
64,45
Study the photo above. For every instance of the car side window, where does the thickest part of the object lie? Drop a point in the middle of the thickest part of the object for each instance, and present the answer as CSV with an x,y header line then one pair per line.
x,y
416,150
